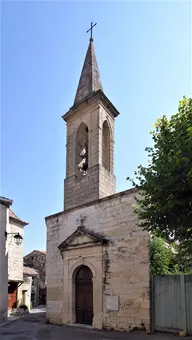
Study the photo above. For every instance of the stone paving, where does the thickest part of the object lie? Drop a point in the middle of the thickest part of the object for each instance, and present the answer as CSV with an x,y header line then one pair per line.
x,y
33,327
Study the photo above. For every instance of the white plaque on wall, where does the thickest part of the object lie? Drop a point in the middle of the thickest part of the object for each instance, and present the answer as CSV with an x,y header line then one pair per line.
x,y
112,302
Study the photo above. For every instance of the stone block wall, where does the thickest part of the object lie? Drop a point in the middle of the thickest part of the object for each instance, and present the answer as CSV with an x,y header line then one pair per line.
x,y
15,252
81,190
37,260
107,182
98,182
35,291
25,287
125,272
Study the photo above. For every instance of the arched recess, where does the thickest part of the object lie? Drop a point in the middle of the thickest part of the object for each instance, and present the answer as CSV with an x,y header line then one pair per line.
x,y
77,265
106,144
70,272
81,149
84,295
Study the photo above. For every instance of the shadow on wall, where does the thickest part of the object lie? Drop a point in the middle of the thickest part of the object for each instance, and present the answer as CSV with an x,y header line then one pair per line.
x,y
42,296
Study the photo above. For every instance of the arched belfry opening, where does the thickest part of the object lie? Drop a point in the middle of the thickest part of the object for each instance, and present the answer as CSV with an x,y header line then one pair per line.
x,y
81,149
84,295
106,145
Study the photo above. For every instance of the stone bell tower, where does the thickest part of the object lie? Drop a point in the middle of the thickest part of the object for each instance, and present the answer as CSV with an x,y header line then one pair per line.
x,y
90,139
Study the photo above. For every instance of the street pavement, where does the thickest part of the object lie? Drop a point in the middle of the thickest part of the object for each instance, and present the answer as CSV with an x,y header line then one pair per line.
x,y
33,327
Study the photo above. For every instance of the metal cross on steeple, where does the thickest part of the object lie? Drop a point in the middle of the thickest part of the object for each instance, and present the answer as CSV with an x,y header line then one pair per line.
x,y
91,29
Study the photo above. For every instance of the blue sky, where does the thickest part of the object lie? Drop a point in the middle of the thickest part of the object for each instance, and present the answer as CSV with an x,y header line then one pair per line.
x,y
144,54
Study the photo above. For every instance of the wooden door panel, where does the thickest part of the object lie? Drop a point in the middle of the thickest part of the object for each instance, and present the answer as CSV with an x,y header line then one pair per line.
x,y
84,296
12,299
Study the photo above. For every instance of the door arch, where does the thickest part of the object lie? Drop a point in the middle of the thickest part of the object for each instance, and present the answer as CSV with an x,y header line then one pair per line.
x,y
84,295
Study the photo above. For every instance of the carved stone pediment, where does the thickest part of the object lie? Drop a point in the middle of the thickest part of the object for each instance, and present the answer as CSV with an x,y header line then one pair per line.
x,y
82,237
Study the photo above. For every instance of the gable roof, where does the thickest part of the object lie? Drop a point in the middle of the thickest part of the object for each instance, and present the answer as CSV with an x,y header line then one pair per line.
x,y
40,251
36,251
95,237
15,218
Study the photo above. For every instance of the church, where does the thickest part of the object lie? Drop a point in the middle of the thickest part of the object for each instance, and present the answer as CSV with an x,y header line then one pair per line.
x,y
97,268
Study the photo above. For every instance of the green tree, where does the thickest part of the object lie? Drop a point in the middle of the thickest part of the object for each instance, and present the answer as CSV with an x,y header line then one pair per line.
x,y
161,257
164,205
183,257
168,258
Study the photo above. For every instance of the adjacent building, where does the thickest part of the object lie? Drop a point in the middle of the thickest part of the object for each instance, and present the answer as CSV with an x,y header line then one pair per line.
x,y
37,260
19,284
24,292
15,257
5,203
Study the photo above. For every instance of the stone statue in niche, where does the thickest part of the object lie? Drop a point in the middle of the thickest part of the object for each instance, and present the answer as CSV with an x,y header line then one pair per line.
x,y
83,165
82,149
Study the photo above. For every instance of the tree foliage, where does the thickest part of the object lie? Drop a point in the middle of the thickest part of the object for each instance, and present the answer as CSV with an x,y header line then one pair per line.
x,y
164,205
183,257
168,258
161,257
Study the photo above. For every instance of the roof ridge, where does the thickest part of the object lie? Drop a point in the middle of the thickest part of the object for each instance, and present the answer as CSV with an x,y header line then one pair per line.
x,y
38,251
30,271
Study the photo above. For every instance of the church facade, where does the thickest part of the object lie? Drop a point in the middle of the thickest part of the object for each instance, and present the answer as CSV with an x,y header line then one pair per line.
x,y
97,267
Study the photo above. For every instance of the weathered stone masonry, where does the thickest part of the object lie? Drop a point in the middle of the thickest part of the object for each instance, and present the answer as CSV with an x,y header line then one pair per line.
x,y
124,260
97,232
98,182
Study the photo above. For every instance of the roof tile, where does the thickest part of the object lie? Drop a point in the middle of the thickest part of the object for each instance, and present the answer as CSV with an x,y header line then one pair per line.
x,y
30,271
15,217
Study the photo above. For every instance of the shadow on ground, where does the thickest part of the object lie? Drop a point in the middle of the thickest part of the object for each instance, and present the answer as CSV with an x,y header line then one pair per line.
x,y
33,327
35,318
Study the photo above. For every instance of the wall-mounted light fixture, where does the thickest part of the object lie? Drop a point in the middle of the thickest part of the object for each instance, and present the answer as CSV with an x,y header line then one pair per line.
x,y
17,238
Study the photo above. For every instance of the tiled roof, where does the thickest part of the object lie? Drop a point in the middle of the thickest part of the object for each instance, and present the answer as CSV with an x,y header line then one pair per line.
x,y
15,217
36,251
30,271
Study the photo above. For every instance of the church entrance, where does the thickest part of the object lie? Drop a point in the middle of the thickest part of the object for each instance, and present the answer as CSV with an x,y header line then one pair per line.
x,y
84,296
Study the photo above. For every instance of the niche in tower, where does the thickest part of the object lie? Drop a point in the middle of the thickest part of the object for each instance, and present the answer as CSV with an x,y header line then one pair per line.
x,y
106,145
81,149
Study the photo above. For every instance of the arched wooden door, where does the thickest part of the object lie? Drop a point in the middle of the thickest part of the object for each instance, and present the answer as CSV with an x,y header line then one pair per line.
x,y
84,296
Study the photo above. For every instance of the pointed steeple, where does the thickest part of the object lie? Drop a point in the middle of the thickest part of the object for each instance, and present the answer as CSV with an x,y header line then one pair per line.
x,y
89,81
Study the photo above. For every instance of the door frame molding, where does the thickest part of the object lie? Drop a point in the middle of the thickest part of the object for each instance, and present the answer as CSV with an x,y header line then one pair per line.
x,y
94,260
